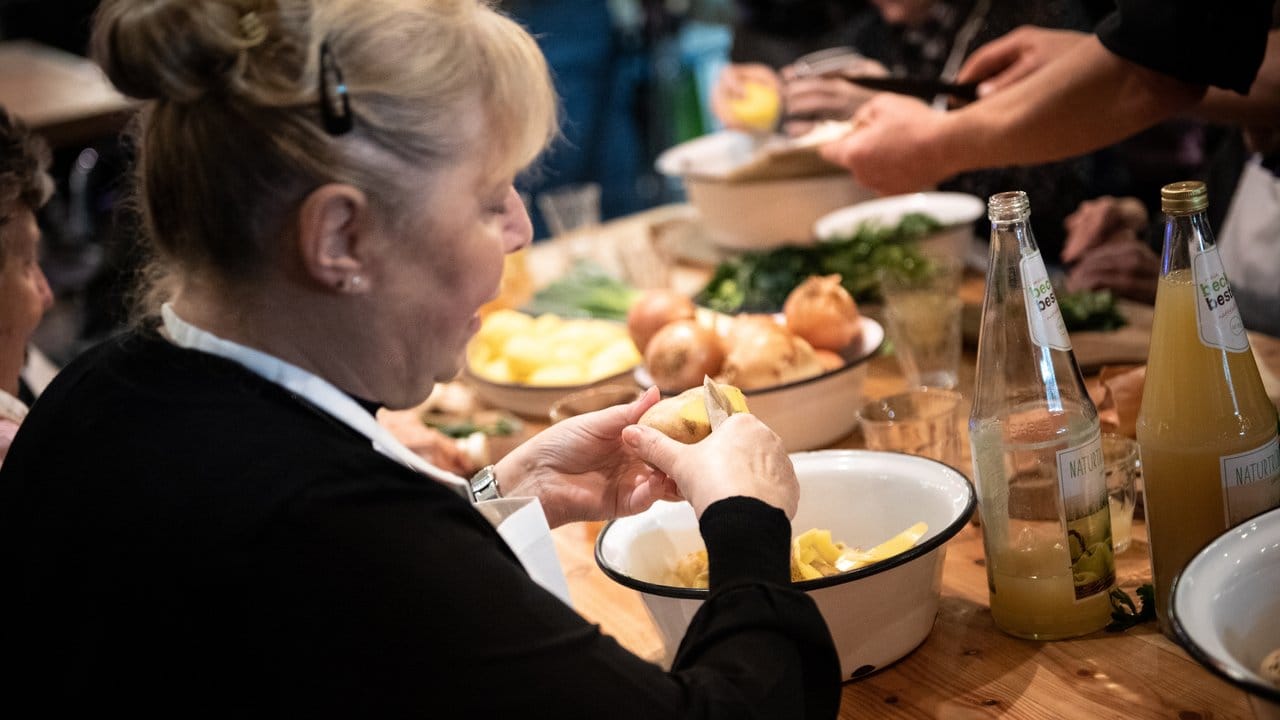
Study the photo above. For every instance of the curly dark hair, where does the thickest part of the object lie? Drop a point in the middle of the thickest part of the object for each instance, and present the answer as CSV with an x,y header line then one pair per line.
x,y
24,170
24,166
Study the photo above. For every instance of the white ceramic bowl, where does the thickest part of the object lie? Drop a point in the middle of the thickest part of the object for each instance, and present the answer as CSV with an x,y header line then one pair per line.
x,y
956,211
876,614
1225,608
759,214
534,401
817,411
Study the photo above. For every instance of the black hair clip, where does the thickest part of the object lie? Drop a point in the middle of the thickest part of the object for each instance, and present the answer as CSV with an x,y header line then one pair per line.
x,y
335,106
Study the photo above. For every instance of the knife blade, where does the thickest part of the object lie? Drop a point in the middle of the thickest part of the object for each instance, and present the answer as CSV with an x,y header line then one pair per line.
x,y
718,406
915,87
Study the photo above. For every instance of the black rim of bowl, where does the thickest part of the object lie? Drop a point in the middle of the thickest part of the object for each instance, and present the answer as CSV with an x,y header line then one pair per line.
x,y
901,558
1197,651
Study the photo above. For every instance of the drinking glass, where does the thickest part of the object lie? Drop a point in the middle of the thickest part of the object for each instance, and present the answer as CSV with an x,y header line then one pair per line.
x,y
1122,467
924,422
922,306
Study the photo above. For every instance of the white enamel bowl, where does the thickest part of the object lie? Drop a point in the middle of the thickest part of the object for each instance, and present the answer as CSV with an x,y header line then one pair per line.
x,y
955,211
817,411
877,614
753,215
1225,608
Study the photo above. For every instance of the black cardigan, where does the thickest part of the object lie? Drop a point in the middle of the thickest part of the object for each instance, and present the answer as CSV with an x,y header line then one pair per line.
x,y
180,537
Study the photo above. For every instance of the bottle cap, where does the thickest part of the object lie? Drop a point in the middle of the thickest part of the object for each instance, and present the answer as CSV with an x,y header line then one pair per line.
x,y
1008,207
1184,198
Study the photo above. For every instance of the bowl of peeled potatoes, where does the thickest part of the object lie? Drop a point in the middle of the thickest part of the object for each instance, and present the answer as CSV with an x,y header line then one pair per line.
x,y
868,546
801,370
526,363
1225,610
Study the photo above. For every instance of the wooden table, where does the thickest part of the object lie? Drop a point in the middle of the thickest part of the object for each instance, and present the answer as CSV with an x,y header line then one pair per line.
x,y
966,668
64,97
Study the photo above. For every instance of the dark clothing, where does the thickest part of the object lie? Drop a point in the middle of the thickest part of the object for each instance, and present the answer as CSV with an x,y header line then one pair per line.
x,y
1056,189
1195,41
776,32
181,537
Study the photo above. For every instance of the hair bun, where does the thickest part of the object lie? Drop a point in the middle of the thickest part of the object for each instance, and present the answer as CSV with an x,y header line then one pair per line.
x,y
176,50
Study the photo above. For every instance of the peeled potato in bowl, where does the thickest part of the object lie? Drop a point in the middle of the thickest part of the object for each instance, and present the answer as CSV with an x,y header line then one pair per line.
x,y
525,364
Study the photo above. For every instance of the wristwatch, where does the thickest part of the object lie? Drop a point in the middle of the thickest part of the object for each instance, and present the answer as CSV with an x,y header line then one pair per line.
x,y
484,485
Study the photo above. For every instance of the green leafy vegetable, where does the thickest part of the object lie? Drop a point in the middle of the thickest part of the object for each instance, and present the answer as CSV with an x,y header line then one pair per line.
x,y
1090,310
1125,614
760,281
586,291
501,427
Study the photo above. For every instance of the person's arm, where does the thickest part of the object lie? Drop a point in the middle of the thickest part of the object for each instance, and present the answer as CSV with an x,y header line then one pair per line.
x,y
402,600
1087,99
1261,107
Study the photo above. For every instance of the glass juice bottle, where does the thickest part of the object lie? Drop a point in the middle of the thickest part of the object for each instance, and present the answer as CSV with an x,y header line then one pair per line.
x,y
1206,430
1037,449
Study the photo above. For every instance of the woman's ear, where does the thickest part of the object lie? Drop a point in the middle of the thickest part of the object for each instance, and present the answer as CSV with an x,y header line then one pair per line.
x,y
333,236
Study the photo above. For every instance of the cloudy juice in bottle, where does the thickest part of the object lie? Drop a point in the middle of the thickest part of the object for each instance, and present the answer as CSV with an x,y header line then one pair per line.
x,y
1206,430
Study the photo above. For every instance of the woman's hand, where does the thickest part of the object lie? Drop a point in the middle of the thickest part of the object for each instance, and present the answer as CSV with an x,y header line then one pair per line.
x,y
1126,265
580,469
741,457
1015,55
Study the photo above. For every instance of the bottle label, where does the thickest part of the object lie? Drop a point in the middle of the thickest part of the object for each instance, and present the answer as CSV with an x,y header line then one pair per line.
x,y
1044,317
1217,316
1083,482
1251,482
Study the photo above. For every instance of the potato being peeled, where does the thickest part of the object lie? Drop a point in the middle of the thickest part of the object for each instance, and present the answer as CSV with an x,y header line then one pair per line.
x,y
684,417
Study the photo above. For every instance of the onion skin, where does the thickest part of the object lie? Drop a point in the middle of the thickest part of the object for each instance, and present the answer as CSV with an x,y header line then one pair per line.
x,y
654,310
681,353
822,312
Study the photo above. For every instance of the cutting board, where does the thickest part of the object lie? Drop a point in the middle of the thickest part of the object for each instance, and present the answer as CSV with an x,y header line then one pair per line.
x,y
1128,345
1125,346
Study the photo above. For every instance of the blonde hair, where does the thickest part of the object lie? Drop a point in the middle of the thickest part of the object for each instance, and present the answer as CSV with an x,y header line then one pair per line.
x,y
232,137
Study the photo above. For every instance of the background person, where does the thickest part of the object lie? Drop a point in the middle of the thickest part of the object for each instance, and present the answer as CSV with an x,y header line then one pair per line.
x,y
25,186
327,187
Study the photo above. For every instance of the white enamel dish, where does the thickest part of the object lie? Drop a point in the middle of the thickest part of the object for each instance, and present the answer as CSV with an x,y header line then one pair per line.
x,y
955,211
877,614
1225,608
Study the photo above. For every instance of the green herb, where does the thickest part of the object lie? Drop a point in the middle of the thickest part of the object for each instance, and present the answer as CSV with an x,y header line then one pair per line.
x,y
586,291
1090,310
501,427
761,281
1125,614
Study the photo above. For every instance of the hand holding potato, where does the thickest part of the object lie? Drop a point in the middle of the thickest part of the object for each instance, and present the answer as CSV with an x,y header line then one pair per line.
x,y
742,457
580,468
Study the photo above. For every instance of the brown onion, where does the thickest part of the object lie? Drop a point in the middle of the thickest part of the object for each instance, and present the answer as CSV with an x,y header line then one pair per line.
x,y
681,353
822,312
765,359
829,359
746,325
653,310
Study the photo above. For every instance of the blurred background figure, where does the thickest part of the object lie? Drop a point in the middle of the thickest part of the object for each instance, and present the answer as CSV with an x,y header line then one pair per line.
x,y
927,39
25,187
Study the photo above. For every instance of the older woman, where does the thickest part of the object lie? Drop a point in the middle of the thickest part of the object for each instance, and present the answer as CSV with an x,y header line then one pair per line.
x,y
25,186
203,518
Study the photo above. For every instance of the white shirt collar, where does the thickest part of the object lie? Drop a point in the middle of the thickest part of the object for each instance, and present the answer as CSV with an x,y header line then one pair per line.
x,y
11,408
315,389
